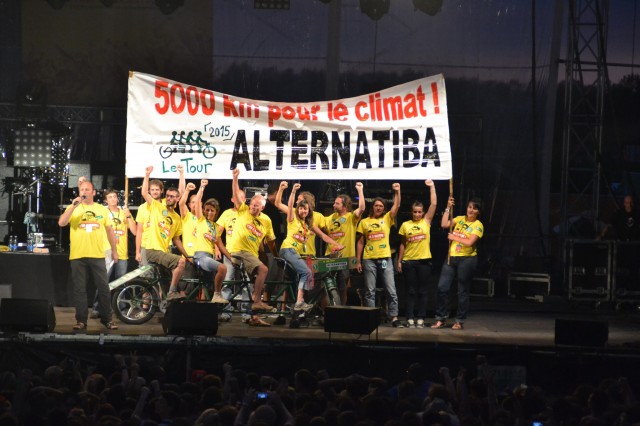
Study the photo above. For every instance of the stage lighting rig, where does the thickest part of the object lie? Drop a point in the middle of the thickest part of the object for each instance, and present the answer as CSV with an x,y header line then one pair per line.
x,y
375,9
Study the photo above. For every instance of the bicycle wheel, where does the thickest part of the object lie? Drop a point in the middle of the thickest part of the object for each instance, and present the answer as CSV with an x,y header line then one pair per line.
x,y
136,302
334,297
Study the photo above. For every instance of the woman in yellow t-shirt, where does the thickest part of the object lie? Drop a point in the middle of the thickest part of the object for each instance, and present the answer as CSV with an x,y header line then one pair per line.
x,y
463,258
300,227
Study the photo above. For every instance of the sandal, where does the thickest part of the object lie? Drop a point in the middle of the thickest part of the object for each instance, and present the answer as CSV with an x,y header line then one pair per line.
x,y
438,324
109,325
80,326
457,326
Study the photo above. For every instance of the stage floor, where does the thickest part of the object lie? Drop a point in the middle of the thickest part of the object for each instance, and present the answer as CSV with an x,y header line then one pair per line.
x,y
511,323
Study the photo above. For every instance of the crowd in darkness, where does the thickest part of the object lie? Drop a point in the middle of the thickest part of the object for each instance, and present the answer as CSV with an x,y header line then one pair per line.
x,y
130,392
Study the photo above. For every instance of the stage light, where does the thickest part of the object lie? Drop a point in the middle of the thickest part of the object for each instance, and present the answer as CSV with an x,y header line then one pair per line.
x,y
56,4
271,4
430,7
167,7
31,148
375,9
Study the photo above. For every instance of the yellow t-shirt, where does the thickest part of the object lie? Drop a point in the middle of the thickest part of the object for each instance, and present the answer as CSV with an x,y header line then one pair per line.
x,y
417,235
227,220
464,229
343,230
189,233
250,231
376,236
298,235
87,231
208,233
318,220
142,217
164,225
120,226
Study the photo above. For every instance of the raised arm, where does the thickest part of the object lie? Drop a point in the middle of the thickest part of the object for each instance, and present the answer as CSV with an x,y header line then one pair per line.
x,y
181,181
361,204
198,198
393,212
145,186
282,207
184,196
446,217
433,201
237,195
292,199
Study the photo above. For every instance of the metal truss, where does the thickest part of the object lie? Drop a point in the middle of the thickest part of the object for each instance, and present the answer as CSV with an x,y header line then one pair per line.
x,y
586,82
71,114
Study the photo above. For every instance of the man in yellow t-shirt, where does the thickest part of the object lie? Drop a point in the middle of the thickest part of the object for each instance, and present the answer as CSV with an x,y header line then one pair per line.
x,y
156,189
88,223
374,253
165,226
341,226
251,229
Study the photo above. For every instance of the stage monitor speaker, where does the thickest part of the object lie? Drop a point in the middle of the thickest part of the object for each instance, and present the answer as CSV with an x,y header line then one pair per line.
x,y
581,333
351,319
191,318
27,315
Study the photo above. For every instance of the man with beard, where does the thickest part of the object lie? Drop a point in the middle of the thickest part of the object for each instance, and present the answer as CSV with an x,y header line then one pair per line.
x,y
165,226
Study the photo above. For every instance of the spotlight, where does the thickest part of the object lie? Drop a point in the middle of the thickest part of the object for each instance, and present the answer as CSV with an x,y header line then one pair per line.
x,y
430,7
375,9
167,7
32,148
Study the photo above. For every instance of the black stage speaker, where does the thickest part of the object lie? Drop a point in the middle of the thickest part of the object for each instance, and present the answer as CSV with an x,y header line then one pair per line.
x,y
192,318
581,333
29,315
351,319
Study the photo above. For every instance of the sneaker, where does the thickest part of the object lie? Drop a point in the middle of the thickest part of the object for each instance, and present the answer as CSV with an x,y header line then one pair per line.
x,y
94,314
302,306
174,295
420,323
140,314
411,323
219,299
224,317
396,324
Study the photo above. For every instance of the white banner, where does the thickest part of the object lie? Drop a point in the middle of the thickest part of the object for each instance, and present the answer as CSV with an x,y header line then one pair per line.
x,y
400,133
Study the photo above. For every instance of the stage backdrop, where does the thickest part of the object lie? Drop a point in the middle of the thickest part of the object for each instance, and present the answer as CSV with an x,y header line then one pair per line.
x,y
399,133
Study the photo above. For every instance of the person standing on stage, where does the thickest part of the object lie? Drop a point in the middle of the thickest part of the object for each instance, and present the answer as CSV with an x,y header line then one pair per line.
x,y
121,222
373,253
250,230
625,222
165,226
414,257
88,223
463,259
300,227
341,227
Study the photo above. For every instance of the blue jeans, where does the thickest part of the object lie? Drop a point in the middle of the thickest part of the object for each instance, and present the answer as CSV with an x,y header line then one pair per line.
x,y
300,266
416,278
371,267
465,267
206,262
